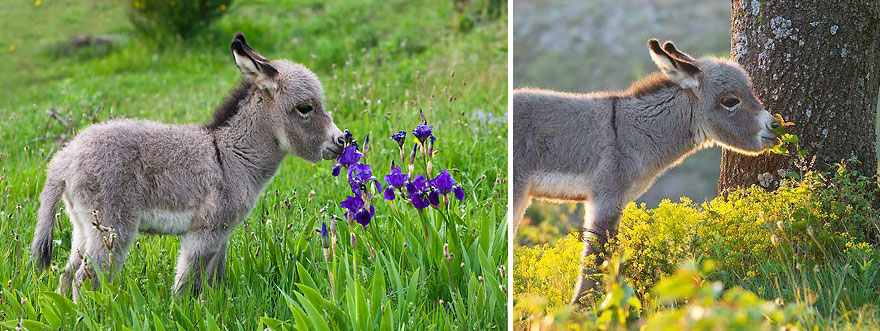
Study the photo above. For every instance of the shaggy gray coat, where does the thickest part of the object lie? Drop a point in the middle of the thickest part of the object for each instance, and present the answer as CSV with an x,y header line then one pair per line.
x,y
123,177
608,147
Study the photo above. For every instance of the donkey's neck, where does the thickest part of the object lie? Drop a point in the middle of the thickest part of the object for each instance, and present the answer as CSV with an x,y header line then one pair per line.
x,y
247,144
665,127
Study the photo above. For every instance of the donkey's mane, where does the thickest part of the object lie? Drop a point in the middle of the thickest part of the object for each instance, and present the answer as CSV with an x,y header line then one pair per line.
x,y
229,107
650,84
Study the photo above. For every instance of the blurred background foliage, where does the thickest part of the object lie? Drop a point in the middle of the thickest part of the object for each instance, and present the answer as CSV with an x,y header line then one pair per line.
x,y
176,18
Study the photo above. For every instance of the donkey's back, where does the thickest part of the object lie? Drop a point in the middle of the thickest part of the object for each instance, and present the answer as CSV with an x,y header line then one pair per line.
x,y
557,138
146,165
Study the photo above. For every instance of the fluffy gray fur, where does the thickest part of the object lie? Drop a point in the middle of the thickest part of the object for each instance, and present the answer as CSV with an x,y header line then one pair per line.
x,y
122,177
608,147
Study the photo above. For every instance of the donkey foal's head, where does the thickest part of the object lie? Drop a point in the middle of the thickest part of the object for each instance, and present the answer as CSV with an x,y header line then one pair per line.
x,y
727,111
291,99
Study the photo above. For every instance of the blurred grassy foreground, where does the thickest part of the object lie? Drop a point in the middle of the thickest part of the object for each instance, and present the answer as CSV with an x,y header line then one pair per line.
x,y
380,62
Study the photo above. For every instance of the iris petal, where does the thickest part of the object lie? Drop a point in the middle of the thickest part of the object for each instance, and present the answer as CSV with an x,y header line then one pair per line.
x,y
349,156
396,178
434,198
443,182
458,192
388,193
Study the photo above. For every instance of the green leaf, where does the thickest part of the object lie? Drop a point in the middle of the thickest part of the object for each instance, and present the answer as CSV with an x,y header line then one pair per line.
x,y
315,316
157,323
210,323
338,315
180,317
136,294
413,288
304,276
378,291
298,314
272,324
486,227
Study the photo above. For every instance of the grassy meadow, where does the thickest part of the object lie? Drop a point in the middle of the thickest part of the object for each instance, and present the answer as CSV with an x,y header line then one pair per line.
x,y
380,63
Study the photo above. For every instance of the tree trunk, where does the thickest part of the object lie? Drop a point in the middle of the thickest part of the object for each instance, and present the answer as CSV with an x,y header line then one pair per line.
x,y
816,63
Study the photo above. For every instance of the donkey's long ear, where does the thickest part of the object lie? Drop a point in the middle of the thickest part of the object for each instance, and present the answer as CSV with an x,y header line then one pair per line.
x,y
679,67
671,50
253,66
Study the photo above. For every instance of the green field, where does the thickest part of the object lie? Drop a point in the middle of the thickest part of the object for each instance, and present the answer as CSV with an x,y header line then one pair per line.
x,y
380,63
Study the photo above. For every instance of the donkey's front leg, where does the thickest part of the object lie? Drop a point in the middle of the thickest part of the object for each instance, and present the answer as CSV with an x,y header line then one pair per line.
x,y
600,224
200,253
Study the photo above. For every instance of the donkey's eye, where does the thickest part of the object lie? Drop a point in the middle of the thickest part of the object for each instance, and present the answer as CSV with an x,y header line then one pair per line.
x,y
730,102
304,108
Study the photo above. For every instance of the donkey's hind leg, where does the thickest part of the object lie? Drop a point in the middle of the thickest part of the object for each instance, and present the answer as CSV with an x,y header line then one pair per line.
x,y
77,245
602,215
202,254
105,244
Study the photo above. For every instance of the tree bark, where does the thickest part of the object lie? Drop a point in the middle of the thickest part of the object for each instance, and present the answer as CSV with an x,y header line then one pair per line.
x,y
817,63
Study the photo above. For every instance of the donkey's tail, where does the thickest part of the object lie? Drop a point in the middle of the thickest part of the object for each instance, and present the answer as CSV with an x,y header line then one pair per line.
x,y
41,247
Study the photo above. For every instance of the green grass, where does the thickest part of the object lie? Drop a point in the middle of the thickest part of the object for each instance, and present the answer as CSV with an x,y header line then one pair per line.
x,y
380,62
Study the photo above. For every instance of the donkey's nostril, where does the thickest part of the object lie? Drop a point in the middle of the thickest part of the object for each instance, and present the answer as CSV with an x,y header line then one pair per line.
x,y
775,124
340,140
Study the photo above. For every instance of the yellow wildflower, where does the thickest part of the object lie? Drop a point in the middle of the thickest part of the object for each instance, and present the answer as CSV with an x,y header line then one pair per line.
x,y
11,47
222,7
37,3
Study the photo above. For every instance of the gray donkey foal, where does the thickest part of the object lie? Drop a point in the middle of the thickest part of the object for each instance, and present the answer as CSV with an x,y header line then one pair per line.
x,y
608,147
122,177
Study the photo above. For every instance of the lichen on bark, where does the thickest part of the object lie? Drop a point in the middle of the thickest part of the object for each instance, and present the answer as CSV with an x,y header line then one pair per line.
x,y
817,64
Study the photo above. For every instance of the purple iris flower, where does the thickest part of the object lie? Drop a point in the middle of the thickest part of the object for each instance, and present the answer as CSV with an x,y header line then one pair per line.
x,y
399,137
352,205
422,133
396,178
325,235
348,136
359,176
349,156
388,193
418,191
356,209
458,192
420,183
434,197
364,216
443,182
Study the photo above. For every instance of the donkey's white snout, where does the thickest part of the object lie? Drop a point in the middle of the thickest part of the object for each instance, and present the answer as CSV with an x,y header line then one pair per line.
x,y
767,136
333,146
769,122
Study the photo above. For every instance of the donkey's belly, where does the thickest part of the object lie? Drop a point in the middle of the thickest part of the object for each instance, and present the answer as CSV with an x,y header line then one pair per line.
x,y
559,187
158,221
